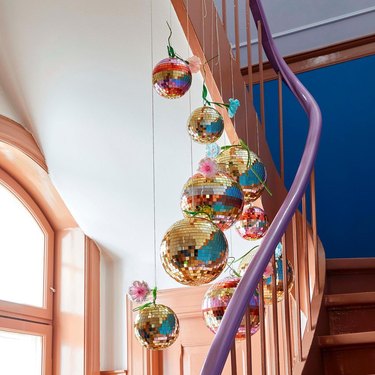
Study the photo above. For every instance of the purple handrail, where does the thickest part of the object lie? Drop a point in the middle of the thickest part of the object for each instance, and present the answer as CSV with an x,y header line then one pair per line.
x,y
225,336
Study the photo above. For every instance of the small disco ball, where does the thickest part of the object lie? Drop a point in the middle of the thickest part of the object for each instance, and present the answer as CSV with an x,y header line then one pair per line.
x,y
251,176
220,197
171,78
215,303
252,224
267,281
205,125
194,251
156,327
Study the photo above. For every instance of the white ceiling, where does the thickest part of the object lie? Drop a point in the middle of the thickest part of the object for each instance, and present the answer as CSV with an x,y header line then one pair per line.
x,y
77,73
303,25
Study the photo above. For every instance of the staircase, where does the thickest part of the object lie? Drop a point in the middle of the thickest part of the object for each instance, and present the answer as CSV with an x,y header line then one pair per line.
x,y
288,335
349,348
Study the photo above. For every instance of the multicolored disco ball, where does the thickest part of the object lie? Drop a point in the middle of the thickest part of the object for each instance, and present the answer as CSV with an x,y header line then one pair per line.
x,y
252,224
215,303
220,197
205,125
194,251
251,175
171,78
156,327
267,282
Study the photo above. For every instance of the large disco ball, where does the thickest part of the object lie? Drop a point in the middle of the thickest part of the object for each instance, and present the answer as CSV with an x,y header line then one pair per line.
x,y
267,279
252,224
246,168
194,251
205,125
156,327
220,196
215,303
171,78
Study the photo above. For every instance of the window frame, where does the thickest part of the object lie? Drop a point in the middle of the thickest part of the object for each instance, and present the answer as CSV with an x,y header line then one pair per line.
x,y
36,329
15,310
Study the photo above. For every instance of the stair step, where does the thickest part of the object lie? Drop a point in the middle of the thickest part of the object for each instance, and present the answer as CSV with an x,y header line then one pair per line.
x,y
349,354
349,299
348,264
336,341
350,275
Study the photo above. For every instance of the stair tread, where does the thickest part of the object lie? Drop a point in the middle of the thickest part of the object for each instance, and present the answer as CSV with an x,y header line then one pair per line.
x,y
350,264
344,339
349,299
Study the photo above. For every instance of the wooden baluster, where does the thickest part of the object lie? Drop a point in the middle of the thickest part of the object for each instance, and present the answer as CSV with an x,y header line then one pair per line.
x,y
314,230
237,32
233,358
281,129
248,342
224,13
297,287
261,77
262,328
249,58
286,320
274,318
306,259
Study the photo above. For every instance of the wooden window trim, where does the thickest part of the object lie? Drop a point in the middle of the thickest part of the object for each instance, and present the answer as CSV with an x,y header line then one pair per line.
x,y
25,312
18,326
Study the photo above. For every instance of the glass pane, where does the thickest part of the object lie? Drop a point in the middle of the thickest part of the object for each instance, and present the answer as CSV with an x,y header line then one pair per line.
x,y
21,253
20,354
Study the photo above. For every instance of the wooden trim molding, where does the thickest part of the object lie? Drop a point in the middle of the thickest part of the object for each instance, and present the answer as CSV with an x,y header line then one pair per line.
x,y
113,372
320,57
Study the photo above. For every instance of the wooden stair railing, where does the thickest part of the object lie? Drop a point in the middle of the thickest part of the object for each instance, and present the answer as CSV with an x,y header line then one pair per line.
x,y
287,328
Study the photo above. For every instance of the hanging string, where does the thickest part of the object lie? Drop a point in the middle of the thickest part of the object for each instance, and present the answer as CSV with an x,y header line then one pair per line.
x,y
190,107
153,144
247,123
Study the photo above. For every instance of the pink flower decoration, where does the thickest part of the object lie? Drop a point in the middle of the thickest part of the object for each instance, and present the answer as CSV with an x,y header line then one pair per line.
x,y
268,271
208,167
194,64
139,291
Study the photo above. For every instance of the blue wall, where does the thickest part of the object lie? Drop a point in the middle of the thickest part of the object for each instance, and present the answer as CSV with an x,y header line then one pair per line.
x,y
345,168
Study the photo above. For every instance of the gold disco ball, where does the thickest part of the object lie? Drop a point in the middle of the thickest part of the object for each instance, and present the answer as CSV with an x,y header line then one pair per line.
x,y
194,251
267,280
156,327
251,175
205,125
215,303
220,197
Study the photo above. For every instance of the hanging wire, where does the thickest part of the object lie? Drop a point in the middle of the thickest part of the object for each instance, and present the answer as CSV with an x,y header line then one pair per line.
x,y
153,145
190,107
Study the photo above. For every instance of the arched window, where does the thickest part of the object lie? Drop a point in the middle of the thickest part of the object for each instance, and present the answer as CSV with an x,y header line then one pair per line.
x,y
26,282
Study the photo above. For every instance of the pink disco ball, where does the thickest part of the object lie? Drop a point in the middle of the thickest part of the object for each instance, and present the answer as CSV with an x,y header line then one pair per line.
x,y
252,224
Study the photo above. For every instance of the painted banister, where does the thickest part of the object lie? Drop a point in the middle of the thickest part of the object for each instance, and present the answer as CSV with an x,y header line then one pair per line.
x,y
224,338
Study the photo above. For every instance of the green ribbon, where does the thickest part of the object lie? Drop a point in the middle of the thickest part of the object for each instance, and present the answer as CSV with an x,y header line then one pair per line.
x,y
171,52
200,212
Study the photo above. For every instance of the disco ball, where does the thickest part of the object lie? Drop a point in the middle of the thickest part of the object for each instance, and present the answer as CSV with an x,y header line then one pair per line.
x,y
216,301
220,196
156,327
267,280
171,78
246,168
194,251
205,125
252,224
